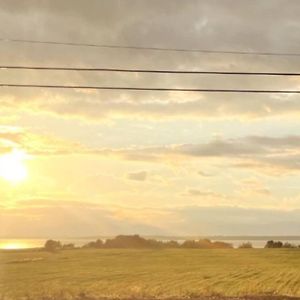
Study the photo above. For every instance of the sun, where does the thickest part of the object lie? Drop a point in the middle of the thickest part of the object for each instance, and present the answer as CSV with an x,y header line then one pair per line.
x,y
12,166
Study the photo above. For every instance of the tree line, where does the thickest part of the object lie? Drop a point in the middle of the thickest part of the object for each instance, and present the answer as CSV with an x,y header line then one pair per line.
x,y
136,241
279,244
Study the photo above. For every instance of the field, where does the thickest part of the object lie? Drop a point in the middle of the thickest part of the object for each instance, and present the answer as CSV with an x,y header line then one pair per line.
x,y
176,273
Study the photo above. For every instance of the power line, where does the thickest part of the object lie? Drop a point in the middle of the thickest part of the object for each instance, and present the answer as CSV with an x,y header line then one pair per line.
x,y
207,51
79,69
87,87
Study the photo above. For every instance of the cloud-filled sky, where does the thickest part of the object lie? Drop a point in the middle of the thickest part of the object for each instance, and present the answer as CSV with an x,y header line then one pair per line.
x,y
109,162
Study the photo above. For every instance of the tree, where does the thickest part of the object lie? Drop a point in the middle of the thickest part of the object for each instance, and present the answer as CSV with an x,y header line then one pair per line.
x,y
70,246
205,244
97,244
171,244
52,245
288,245
273,244
190,244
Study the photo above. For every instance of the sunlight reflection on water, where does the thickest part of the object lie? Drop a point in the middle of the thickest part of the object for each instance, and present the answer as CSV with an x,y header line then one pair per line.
x,y
13,244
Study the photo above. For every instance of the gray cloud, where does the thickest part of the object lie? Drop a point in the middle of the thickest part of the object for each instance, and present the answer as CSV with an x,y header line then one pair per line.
x,y
238,147
200,193
205,175
194,24
264,154
138,176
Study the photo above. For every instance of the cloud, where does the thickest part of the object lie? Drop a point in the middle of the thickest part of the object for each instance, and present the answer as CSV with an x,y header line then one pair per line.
x,y
34,218
272,155
36,144
239,221
89,219
196,192
138,176
253,186
96,106
174,24
210,24
207,196
205,175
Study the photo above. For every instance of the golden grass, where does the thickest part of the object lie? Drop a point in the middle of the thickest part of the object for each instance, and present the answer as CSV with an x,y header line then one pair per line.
x,y
173,273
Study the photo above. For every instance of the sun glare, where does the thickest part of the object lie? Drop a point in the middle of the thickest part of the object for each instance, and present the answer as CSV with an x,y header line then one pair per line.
x,y
12,166
13,246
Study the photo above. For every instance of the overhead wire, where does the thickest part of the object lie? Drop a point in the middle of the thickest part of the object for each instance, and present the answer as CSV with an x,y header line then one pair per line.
x,y
155,71
148,48
158,89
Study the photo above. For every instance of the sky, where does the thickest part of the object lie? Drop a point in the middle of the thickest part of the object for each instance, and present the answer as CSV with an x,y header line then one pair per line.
x,y
153,163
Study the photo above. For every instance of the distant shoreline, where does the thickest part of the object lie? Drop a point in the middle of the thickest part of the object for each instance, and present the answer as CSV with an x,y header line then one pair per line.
x,y
167,237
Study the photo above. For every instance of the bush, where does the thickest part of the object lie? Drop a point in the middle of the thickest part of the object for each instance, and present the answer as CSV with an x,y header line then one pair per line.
x,y
246,245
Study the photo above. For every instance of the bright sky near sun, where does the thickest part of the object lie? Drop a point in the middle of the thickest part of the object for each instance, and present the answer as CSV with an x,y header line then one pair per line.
x,y
109,162
12,167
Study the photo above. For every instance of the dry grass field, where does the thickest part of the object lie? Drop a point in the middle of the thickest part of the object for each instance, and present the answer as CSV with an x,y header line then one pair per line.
x,y
176,273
